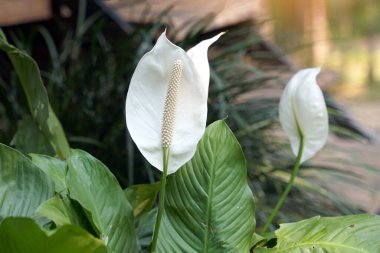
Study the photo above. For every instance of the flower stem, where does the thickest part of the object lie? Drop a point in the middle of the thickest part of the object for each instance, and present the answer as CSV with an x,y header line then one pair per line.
x,y
161,201
288,186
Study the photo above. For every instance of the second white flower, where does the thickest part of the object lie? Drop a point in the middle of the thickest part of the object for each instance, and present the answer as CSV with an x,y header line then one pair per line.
x,y
303,113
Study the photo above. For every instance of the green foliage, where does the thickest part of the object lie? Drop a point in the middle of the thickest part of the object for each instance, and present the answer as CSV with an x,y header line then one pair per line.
x,y
85,187
29,138
349,234
245,88
39,106
85,73
209,206
144,228
21,235
142,197
23,186
62,210
97,190
55,168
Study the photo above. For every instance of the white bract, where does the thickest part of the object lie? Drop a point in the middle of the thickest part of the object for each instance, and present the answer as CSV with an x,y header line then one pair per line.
x,y
169,79
303,112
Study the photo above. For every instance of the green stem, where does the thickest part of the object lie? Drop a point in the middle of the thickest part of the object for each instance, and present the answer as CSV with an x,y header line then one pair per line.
x,y
288,187
161,202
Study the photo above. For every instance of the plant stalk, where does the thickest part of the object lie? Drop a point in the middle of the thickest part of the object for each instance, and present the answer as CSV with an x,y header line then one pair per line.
x,y
288,187
161,202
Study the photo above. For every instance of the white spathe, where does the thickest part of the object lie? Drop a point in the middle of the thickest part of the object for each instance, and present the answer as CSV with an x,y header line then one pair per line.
x,y
303,111
146,97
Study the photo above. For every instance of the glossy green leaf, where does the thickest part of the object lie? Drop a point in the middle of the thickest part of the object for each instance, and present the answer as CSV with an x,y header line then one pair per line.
x,y
23,186
258,240
55,168
97,190
39,106
63,210
348,234
144,225
23,235
29,138
209,206
142,197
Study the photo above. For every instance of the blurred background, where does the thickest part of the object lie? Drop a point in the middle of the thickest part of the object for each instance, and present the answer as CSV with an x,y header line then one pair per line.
x,y
343,37
87,52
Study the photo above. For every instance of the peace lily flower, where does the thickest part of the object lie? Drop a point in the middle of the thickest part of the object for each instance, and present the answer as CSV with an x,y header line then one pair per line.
x,y
303,113
303,116
166,105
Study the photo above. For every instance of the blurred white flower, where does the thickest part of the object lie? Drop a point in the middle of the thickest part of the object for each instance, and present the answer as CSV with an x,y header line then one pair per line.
x,y
303,113
167,102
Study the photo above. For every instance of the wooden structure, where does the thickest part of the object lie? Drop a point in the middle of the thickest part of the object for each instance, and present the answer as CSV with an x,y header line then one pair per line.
x,y
13,12
176,13
182,14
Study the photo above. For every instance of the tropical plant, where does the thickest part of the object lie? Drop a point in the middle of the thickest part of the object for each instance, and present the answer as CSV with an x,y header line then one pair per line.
x,y
71,202
87,74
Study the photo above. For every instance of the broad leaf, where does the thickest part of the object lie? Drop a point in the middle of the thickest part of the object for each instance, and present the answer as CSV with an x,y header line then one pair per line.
x,y
23,186
29,138
56,169
258,240
63,210
209,206
23,235
142,197
144,225
97,190
39,106
348,234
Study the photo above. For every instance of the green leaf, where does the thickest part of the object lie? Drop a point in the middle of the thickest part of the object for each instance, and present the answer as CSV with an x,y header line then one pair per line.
x,y
29,138
258,240
39,106
23,186
144,225
55,168
62,210
142,197
348,234
23,235
97,190
208,204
